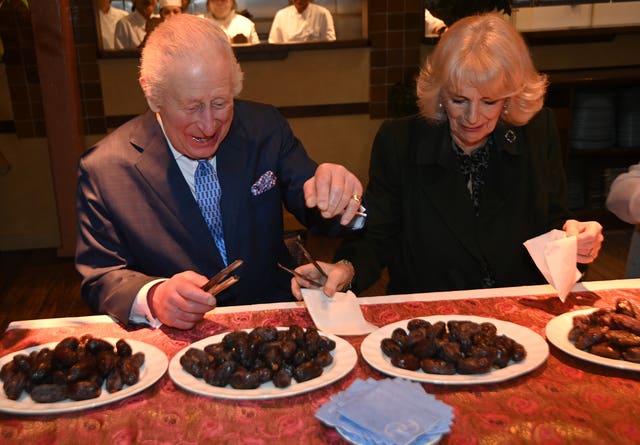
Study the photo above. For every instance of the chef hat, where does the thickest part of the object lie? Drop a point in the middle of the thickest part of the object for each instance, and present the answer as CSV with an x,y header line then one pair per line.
x,y
165,3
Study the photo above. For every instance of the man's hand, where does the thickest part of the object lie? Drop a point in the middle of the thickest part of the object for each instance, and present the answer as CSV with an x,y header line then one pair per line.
x,y
335,191
179,301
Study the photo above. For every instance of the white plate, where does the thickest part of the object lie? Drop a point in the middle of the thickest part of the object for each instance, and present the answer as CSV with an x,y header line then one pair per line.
x,y
558,334
535,346
344,359
155,364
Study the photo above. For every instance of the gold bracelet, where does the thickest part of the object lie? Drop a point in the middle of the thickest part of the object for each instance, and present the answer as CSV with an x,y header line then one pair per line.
x,y
348,263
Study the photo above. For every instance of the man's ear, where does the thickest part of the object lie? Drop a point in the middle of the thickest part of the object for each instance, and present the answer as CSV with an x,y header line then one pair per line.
x,y
147,94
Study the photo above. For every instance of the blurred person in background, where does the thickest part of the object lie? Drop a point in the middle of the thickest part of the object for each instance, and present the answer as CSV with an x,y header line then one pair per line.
x,y
131,29
169,8
239,28
302,21
624,202
432,24
108,17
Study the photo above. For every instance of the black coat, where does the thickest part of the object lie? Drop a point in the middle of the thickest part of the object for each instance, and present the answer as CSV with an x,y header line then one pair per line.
x,y
422,223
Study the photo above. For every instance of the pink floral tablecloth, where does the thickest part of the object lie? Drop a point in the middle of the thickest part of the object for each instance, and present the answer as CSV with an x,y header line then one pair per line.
x,y
566,400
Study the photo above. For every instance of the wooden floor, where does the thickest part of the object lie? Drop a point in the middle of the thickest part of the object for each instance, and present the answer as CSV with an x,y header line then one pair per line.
x,y
37,284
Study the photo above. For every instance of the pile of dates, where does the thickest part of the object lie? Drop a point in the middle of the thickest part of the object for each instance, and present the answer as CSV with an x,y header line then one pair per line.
x,y
246,360
462,347
612,332
76,369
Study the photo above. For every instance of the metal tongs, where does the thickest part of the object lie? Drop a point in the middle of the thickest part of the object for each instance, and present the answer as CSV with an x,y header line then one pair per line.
x,y
221,281
309,258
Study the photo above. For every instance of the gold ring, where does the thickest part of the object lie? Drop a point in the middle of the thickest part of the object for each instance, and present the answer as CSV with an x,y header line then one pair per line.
x,y
357,198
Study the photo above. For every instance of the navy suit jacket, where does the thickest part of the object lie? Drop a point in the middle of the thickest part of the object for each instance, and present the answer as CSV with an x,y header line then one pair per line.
x,y
139,221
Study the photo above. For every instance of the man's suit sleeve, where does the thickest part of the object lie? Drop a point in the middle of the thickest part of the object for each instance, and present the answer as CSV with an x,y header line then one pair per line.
x,y
101,256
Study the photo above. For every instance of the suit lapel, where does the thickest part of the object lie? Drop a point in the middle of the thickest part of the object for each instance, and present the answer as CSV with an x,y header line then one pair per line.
x,y
159,169
444,186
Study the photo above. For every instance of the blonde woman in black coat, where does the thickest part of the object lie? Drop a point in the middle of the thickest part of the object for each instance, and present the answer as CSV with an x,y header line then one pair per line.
x,y
455,191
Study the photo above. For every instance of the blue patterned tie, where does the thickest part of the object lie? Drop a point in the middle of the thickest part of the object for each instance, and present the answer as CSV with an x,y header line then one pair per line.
x,y
208,196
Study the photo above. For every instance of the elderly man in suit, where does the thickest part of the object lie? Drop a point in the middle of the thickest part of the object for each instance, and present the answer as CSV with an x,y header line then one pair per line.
x,y
144,247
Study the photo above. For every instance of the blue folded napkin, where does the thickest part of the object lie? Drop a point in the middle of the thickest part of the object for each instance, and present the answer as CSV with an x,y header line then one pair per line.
x,y
389,411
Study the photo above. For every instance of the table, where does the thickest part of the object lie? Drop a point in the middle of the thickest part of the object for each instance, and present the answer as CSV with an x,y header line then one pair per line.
x,y
565,400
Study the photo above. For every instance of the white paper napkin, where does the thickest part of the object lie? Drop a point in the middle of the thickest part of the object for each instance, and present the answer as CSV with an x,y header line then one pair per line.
x,y
556,255
339,315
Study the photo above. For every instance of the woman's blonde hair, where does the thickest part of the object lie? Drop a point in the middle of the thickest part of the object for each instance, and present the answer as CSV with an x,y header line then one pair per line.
x,y
487,53
182,39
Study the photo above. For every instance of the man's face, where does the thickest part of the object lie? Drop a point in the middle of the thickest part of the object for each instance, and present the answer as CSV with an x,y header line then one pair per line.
x,y
198,105
145,7
301,5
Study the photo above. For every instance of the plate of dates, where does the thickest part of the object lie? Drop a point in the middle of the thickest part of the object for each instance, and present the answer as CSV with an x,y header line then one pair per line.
x,y
262,363
59,382
454,350
598,336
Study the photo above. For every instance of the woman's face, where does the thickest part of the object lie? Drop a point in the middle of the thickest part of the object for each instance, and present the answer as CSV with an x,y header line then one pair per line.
x,y
220,9
472,116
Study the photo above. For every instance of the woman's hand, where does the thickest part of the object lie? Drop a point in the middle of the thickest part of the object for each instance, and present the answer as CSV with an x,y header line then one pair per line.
x,y
339,275
589,235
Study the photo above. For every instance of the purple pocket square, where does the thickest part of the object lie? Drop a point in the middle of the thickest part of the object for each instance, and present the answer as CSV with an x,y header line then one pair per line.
x,y
264,183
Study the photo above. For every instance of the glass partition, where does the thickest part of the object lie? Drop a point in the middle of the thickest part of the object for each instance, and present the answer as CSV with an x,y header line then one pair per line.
x,y
538,15
347,16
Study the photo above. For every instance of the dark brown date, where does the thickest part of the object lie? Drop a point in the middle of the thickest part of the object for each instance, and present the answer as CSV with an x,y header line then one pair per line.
x,y
14,384
605,350
307,371
457,346
437,366
612,332
282,379
406,361
243,379
114,382
390,347
472,365
245,359
83,390
75,368
632,354
48,393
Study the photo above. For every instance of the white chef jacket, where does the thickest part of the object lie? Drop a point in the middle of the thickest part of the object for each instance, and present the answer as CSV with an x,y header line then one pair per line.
x,y
108,26
130,31
235,24
314,24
